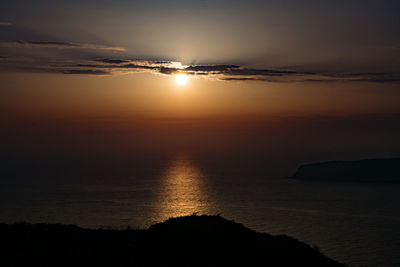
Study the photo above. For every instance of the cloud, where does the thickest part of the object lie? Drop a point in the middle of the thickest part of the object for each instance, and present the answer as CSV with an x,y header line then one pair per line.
x,y
239,73
78,71
112,61
378,77
84,63
211,68
168,71
55,70
60,45
5,23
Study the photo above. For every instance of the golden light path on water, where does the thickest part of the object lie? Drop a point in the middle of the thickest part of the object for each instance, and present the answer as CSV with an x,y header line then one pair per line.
x,y
183,190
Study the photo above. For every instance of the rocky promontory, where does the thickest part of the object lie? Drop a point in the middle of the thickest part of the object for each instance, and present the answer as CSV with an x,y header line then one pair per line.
x,y
371,170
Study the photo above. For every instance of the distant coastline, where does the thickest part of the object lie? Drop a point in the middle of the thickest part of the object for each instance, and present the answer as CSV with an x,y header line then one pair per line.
x,y
369,170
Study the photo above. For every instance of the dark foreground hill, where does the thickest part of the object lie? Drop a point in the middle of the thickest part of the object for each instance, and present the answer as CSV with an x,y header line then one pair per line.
x,y
371,170
185,241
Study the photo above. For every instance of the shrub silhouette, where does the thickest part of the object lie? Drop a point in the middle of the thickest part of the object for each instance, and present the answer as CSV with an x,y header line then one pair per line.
x,y
184,241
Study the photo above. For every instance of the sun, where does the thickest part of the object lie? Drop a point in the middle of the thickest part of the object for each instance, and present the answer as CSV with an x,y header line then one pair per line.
x,y
181,79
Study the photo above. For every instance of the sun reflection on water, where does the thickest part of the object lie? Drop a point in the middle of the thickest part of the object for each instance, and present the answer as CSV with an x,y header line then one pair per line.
x,y
183,190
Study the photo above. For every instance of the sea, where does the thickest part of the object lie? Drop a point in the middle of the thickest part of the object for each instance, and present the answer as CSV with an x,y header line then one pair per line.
x,y
355,223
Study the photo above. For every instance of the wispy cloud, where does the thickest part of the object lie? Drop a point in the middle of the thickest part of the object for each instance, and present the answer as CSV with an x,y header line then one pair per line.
x,y
87,65
242,73
5,23
112,61
60,45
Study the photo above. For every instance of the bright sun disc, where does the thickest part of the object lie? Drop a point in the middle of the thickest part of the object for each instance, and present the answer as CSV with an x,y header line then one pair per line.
x,y
181,79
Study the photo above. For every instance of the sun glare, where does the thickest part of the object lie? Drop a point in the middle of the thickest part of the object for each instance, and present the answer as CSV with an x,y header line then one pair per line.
x,y
181,79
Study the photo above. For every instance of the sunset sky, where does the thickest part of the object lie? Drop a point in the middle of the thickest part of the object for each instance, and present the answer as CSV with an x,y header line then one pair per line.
x,y
281,115
252,68
242,57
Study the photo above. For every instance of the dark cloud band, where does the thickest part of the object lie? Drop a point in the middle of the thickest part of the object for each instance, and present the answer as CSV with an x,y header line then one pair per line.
x,y
5,23
60,45
109,66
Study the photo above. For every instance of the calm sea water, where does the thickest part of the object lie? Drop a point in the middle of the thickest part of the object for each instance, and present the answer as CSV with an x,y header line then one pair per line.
x,y
358,224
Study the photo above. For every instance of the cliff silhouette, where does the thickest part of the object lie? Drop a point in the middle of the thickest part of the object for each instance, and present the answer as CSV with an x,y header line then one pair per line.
x,y
370,170
184,241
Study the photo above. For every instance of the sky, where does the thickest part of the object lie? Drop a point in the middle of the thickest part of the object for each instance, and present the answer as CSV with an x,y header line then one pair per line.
x,y
306,58
255,68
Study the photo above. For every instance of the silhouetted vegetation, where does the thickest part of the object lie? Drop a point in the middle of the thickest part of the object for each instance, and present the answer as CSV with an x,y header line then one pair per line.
x,y
184,241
